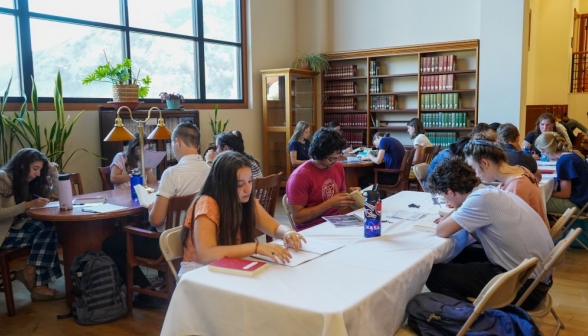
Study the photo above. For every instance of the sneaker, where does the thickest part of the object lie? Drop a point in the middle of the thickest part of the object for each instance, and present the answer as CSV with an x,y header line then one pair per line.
x,y
143,301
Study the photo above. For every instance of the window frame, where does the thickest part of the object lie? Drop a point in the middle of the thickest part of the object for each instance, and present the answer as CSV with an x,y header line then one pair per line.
x,y
24,54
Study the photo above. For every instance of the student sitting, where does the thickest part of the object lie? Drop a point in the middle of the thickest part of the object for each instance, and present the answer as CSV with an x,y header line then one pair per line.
x,y
124,162
233,140
299,144
390,151
571,189
508,228
509,137
545,123
489,163
221,221
416,130
455,149
337,127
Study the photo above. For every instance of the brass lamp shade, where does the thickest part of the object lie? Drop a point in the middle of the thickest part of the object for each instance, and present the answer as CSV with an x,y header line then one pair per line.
x,y
161,132
119,133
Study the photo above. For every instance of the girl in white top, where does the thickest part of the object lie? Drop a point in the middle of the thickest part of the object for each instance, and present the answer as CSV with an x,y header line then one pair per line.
x,y
416,130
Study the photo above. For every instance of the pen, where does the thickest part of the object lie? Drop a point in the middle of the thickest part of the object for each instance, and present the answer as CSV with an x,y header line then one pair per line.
x,y
36,196
89,210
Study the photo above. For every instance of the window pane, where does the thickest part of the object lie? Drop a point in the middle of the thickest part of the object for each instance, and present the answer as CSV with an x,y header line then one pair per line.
x,y
221,19
172,17
9,57
170,63
74,50
107,11
222,66
7,3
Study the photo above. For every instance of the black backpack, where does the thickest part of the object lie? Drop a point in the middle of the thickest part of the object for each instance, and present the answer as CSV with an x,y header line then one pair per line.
x,y
438,314
100,296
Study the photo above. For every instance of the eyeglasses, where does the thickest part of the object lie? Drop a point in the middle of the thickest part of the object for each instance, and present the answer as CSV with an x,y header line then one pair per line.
x,y
333,159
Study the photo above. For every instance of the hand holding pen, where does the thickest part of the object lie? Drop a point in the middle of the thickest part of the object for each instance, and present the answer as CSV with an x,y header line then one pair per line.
x,y
37,202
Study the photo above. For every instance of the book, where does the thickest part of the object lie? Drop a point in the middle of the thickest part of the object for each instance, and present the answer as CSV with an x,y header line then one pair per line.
x,y
88,200
236,266
146,197
345,220
358,198
426,226
310,250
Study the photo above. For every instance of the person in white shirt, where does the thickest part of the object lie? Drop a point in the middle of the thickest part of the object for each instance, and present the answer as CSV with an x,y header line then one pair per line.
x,y
506,226
416,130
185,178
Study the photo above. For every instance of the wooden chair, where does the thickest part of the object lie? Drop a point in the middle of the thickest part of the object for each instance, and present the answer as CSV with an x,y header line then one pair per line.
x,y
176,205
6,256
172,249
574,217
76,184
105,177
430,152
554,259
403,175
288,210
498,292
420,172
267,190
578,143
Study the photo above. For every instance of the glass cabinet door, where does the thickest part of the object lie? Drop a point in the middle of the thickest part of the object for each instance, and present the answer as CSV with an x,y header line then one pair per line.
x,y
276,101
302,100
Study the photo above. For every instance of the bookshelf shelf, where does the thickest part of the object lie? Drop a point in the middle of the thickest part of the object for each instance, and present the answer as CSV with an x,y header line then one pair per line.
x,y
435,76
345,94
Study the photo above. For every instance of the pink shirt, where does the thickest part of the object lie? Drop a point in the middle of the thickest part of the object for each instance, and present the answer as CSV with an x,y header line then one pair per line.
x,y
526,187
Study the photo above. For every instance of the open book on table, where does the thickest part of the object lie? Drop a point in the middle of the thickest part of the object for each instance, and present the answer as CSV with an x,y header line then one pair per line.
x,y
146,197
310,250
425,225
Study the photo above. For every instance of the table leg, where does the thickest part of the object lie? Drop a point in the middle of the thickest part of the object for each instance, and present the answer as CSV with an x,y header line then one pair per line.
x,y
77,238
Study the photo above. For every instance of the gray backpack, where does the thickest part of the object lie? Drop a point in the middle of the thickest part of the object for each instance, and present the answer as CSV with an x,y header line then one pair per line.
x,y
100,296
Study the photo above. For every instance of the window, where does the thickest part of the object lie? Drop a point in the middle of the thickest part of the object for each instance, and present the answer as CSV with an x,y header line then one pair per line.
x,y
194,47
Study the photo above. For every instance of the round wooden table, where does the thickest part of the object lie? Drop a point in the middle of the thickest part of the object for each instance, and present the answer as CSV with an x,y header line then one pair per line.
x,y
355,170
80,231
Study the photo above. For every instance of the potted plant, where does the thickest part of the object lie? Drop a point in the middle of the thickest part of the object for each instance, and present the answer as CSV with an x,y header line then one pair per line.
x,y
23,128
217,125
172,100
313,61
127,86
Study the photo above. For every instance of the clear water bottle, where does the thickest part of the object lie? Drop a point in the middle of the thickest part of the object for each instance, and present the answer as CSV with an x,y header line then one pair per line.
x,y
65,193
136,178
372,212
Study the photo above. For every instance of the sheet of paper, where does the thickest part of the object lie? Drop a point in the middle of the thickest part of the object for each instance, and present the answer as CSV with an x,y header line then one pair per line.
x,y
298,257
145,198
153,158
53,204
314,246
103,208
410,215
344,220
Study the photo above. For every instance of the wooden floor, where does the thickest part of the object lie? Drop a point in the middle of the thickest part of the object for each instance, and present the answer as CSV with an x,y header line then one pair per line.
x,y
569,293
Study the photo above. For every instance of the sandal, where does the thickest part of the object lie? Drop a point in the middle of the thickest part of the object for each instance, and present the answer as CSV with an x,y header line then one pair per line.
x,y
19,275
35,297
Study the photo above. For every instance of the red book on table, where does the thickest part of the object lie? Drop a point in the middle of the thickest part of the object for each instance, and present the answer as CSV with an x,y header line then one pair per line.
x,y
238,266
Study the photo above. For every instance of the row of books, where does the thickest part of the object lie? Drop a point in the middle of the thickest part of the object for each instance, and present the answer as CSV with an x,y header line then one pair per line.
x,y
384,102
445,119
340,104
376,85
433,101
438,63
374,68
348,120
438,82
339,71
441,138
354,138
341,88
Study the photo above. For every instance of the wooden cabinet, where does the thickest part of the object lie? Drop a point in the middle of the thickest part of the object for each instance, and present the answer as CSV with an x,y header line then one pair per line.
x,y
172,118
289,96
368,91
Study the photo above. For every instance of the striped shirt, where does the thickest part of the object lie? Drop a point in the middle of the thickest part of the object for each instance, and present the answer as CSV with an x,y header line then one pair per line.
x,y
508,228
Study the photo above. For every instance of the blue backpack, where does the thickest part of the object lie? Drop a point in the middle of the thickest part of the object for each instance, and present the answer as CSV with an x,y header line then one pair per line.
x,y
438,314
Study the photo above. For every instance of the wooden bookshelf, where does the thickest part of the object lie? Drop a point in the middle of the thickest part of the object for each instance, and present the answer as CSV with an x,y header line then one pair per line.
x,y
390,89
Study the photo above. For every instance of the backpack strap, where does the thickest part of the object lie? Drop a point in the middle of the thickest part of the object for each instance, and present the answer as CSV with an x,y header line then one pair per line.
x,y
64,316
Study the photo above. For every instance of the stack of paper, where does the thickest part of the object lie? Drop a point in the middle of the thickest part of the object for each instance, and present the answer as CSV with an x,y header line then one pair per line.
x,y
310,250
145,197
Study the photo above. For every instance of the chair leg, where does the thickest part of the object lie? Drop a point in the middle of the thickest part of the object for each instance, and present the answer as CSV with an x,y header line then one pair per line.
x,y
130,280
581,244
560,324
6,281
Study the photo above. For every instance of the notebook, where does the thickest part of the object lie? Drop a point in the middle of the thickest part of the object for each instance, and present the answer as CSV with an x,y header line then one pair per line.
x,y
237,266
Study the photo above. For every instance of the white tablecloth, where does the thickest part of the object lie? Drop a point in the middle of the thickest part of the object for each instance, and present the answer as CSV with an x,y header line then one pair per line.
x,y
360,289
546,185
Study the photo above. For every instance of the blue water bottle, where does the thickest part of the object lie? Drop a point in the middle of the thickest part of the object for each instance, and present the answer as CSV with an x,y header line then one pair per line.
x,y
372,212
527,151
136,178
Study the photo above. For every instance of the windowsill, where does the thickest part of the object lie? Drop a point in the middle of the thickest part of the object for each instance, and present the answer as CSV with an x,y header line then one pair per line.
x,y
94,106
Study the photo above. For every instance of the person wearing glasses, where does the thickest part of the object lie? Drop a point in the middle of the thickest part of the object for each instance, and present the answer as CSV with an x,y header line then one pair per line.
x,y
317,187
391,151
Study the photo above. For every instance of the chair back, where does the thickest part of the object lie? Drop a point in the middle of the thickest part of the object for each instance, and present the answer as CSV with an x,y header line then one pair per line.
x,y
105,177
558,228
420,172
403,175
554,258
501,290
288,210
267,190
430,152
76,184
170,243
578,143
176,210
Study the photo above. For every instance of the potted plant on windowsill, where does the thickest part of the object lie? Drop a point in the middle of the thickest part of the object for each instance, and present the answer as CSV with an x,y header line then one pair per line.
x,y
172,100
217,124
127,86
312,61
